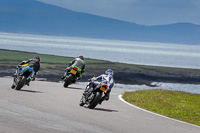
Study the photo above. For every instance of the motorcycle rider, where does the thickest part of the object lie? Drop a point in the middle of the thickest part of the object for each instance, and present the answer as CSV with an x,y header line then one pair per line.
x,y
79,63
106,78
33,63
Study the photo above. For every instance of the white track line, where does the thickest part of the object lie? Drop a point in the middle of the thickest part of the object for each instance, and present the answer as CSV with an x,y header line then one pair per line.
x,y
120,97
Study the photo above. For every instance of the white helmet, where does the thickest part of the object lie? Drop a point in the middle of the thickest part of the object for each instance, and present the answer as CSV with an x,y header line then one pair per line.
x,y
109,72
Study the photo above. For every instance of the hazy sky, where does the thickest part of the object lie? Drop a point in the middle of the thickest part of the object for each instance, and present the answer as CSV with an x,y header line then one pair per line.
x,y
145,12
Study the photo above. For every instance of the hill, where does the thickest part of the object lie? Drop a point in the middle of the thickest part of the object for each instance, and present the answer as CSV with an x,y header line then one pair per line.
x,y
33,17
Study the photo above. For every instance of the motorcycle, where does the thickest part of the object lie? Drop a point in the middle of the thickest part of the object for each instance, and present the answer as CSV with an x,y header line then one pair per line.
x,y
93,96
71,76
22,77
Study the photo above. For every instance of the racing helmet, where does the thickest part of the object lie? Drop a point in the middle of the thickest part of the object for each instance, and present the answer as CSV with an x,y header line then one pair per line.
x,y
37,58
109,72
81,57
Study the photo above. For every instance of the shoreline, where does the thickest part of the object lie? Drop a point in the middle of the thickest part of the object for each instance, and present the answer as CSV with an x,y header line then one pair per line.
x,y
52,68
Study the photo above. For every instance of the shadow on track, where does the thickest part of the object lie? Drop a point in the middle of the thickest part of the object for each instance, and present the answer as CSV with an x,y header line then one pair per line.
x,y
102,109
31,91
74,88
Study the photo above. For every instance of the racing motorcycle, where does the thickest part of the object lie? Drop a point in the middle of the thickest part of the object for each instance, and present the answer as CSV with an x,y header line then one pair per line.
x,y
22,77
93,96
71,76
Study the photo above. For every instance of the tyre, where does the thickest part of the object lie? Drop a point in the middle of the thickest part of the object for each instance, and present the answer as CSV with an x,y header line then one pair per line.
x,y
68,81
21,83
95,101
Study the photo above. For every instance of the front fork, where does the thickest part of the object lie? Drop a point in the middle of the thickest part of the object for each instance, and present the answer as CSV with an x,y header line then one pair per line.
x,y
16,80
89,94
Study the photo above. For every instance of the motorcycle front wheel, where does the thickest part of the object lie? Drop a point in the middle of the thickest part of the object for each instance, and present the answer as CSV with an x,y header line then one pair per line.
x,y
81,101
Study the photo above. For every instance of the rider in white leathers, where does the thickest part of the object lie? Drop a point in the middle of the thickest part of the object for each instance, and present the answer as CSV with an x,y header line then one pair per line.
x,y
106,78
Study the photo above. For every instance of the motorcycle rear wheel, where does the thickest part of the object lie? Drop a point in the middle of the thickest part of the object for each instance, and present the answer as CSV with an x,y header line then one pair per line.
x,y
95,101
21,83
68,81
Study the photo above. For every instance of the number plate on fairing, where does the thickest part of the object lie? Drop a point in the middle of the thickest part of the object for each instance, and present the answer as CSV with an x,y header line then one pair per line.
x,y
103,89
73,71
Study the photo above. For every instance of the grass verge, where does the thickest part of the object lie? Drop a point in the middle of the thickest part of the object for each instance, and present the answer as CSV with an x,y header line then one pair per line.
x,y
174,104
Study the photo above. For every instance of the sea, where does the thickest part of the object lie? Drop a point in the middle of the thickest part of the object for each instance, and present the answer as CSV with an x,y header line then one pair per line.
x,y
130,52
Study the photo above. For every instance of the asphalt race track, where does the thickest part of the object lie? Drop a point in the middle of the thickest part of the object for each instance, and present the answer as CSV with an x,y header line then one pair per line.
x,y
47,107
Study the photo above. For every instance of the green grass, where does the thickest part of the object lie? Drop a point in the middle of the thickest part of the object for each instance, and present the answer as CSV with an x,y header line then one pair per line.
x,y
17,56
50,64
174,104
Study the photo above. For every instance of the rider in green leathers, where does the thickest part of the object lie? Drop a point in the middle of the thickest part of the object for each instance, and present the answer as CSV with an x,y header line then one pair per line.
x,y
79,64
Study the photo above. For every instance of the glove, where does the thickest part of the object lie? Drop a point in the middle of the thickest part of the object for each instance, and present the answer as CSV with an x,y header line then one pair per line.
x,y
67,68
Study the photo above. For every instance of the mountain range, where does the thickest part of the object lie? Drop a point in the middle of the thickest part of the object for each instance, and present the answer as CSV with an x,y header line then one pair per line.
x,y
34,17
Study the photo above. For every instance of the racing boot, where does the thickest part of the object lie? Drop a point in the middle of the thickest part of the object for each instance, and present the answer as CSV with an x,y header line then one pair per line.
x,y
103,98
28,82
13,86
